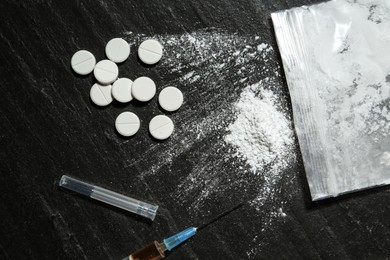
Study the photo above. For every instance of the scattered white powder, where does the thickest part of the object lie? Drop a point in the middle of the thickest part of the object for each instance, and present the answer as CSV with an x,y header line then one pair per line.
x,y
208,62
262,134
226,78
264,46
263,137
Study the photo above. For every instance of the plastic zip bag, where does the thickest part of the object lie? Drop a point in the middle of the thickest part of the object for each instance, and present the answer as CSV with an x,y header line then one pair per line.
x,y
336,57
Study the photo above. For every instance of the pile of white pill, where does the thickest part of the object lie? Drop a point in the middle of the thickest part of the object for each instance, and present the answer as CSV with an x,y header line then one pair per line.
x,y
109,87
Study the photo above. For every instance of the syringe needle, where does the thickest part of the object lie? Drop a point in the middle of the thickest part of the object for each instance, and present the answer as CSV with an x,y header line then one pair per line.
x,y
220,216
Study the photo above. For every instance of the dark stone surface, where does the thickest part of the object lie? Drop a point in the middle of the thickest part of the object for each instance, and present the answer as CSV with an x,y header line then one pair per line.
x,y
48,127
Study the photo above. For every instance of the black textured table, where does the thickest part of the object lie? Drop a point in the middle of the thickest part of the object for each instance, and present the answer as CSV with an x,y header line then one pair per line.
x,y
49,127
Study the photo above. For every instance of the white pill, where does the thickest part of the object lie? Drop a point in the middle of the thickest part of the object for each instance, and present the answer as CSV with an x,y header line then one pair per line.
x,y
106,72
121,90
143,89
170,99
101,94
150,52
83,62
127,124
161,127
117,50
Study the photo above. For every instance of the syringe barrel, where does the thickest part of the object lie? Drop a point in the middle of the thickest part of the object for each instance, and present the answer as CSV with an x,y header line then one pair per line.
x,y
115,199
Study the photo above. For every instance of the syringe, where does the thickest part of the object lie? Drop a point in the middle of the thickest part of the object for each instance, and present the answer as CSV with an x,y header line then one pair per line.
x,y
156,250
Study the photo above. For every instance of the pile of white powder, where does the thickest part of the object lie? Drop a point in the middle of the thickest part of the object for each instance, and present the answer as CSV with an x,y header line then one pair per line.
x,y
262,134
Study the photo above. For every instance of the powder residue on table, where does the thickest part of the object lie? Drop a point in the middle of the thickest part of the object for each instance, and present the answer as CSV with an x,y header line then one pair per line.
x,y
235,123
262,135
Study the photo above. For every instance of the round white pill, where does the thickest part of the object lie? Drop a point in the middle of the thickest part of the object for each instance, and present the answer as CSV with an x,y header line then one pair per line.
x,y
161,127
150,52
143,89
127,124
83,62
101,94
170,99
117,50
121,90
106,72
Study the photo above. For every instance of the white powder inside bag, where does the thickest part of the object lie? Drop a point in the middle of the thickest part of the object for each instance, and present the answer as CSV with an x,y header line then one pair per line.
x,y
337,61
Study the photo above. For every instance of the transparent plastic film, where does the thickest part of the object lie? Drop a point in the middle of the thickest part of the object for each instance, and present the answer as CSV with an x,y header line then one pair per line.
x,y
336,57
